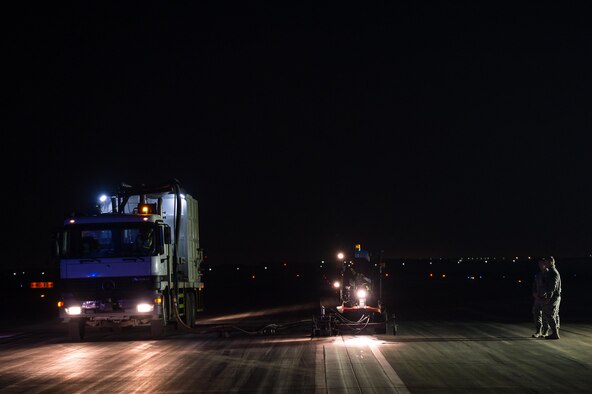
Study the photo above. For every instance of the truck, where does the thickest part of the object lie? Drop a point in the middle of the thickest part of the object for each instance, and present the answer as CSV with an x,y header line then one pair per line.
x,y
135,261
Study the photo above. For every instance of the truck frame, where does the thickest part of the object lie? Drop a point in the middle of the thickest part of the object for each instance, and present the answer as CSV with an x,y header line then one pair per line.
x,y
135,262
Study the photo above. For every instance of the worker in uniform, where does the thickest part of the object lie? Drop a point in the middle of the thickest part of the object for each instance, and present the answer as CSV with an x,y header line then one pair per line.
x,y
541,326
145,240
90,246
552,294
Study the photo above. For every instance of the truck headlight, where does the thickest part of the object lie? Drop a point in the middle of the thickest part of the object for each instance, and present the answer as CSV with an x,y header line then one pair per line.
x,y
73,310
362,294
142,308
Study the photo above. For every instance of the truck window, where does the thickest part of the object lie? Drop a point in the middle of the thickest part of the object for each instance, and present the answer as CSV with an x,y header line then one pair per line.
x,y
121,240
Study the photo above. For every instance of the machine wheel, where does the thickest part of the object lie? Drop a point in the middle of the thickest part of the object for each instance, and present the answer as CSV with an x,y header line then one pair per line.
x,y
384,319
76,328
156,328
392,325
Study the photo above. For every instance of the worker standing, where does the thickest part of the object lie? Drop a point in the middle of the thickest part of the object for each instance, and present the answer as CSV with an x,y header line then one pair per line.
x,y
541,326
552,285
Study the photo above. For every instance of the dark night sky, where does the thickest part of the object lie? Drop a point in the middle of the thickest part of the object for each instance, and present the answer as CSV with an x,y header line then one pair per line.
x,y
444,130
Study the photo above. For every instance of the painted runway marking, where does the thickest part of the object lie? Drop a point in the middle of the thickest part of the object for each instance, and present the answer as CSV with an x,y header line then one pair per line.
x,y
320,373
346,364
389,371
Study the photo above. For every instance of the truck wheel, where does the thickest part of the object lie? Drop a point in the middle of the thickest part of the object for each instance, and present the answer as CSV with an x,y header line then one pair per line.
x,y
156,328
190,309
76,329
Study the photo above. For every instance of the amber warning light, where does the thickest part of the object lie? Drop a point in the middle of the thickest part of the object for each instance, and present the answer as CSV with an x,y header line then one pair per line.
x,y
41,285
146,209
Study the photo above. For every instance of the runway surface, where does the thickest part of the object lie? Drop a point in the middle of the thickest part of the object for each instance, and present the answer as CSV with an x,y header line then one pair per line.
x,y
424,357
466,332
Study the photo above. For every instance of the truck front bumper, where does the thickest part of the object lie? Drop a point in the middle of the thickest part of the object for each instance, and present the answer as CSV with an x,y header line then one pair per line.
x,y
121,318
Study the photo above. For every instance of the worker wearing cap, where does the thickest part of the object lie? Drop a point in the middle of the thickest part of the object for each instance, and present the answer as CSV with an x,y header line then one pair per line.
x,y
541,326
552,294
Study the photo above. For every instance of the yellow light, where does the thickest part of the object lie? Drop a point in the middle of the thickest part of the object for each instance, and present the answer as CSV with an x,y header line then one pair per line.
x,y
60,304
146,209
158,300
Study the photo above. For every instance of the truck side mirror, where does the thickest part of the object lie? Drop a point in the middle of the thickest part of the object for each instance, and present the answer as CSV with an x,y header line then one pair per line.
x,y
167,235
164,238
55,249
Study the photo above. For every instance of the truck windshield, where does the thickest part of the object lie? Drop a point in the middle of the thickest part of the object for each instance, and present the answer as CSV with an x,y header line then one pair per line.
x,y
108,240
